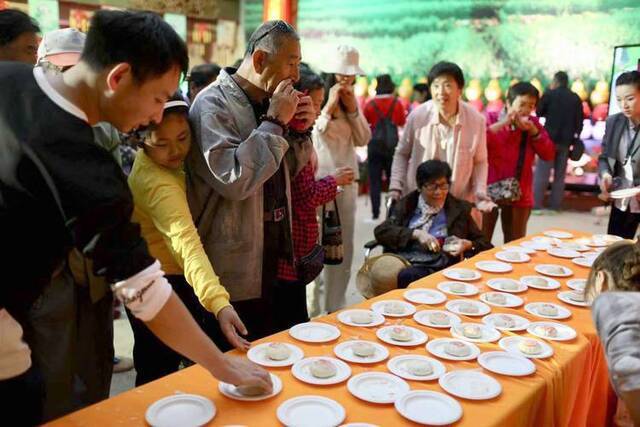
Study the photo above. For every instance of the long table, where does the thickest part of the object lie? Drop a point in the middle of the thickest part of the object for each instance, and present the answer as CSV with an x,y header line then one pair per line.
x,y
569,389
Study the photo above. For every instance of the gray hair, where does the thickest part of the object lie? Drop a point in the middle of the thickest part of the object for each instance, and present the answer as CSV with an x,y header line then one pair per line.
x,y
269,37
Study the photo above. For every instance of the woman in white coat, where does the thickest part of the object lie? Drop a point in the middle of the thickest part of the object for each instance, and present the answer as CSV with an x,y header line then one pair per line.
x,y
340,128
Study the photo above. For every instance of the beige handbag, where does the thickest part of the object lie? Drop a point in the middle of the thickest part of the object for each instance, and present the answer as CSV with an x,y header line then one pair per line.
x,y
379,274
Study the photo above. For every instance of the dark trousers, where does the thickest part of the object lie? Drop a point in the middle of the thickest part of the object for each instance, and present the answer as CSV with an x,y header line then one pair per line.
x,y
377,165
22,399
543,173
623,224
410,274
514,222
151,357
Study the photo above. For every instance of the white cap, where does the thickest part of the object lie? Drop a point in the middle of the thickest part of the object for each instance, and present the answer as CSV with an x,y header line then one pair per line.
x,y
62,47
346,62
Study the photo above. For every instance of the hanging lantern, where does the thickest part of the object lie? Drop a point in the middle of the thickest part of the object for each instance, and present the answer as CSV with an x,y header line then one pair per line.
x,y
579,89
406,89
473,90
600,94
361,86
493,91
536,83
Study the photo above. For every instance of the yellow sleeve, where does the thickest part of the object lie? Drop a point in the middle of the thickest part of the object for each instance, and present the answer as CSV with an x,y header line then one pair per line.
x,y
165,201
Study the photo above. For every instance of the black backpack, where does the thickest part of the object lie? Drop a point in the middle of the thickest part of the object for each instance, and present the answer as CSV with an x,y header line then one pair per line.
x,y
385,134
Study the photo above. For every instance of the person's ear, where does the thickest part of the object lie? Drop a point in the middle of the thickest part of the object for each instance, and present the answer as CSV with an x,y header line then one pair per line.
x,y
601,282
117,75
259,59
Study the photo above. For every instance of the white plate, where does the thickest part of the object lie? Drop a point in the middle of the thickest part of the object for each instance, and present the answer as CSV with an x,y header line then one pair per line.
x,y
469,289
505,363
553,241
494,266
436,347
429,407
453,306
564,297
181,410
377,387
301,370
565,333
311,411
584,261
398,366
497,285
314,332
511,300
454,274
532,308
625,193
544,269
577,284
551,283
510,344
536,245
232,392
506,256
425,296
379,307
345,317
607,238
422,317
419,337
521,323
258,354
472,385
558,234
563,253
519,248
344,351
575,246
489,333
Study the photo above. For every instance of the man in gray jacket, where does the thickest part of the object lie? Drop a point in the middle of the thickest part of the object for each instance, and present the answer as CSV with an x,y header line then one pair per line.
x,y
238,184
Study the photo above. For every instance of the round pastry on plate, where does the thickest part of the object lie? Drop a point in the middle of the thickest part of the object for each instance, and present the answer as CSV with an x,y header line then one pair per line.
x,y
457,349
323,369
251,390
457,288
363,349
394,308
530,346
496,298
362,317
504,321
508,285
420,368
278,351
577,296
400,333
548,310
472,331
539,281
439,318
468,308
547,331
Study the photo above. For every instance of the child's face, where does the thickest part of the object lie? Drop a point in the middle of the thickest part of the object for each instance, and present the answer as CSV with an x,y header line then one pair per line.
x,y
169,143
524,105
317,96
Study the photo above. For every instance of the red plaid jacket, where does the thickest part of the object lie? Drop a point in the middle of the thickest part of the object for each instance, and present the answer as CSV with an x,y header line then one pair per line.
x,y
306,195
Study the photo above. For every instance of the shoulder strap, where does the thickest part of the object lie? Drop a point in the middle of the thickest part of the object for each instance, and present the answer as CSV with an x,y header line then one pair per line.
x,y
392,107
521,154
377,109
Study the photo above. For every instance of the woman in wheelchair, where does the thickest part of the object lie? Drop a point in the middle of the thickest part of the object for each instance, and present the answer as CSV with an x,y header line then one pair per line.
x,y
429,227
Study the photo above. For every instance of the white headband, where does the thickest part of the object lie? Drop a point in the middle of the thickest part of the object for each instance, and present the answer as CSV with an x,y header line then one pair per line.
x,y
172,104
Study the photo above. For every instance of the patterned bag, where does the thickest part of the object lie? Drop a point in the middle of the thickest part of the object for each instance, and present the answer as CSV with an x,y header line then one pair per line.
x,y
332,236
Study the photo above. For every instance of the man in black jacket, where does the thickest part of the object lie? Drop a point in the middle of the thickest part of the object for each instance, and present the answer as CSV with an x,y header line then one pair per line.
x,y
562,110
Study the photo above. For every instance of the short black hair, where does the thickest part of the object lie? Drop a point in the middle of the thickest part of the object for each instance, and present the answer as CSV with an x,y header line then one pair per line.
x,y
629,78
385,85
421,87
432,170
141,39
269,36
203,74
14,23
561,78
446,68
522,89
309,80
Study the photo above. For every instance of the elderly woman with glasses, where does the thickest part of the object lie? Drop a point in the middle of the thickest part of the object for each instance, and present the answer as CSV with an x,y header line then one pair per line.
x,y
430,228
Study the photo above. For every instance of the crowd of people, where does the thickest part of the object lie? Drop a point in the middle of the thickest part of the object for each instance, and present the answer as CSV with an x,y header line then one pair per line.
x,y
215,234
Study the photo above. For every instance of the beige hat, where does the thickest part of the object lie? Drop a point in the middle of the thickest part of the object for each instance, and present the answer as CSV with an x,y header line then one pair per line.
x,y
379,274
346,61
62,47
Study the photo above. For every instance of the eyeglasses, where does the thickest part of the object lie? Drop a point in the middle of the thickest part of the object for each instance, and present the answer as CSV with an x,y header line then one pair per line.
x,y
434,187
281,24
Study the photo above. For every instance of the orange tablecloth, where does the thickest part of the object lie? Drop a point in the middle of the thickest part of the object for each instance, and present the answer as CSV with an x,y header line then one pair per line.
x,y
569,389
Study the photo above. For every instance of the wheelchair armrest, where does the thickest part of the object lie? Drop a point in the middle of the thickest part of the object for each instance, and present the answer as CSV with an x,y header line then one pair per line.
x,y
371,244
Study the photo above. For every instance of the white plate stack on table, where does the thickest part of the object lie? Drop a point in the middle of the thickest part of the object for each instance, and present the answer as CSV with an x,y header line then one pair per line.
x,y
275,354
505,363
506,322
250,393
504,284
548,310
359,351
552,331
494,266
436,319
458,288
462,274
536,245
429,407
377,387
314,332
501,299
540,282
470,384
528,347
321,370
416,367
404,336
453,349
475,332
311,410
425,296
576,298
558,234
563,253
181,410
468,307
513,256
360,317
393,308
553,270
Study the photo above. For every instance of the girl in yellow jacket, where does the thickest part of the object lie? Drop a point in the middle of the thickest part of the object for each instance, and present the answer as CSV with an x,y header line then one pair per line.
x,y
157,181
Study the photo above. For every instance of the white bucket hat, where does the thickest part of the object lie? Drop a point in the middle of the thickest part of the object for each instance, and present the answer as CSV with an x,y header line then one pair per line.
x,y
62,47
346,61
